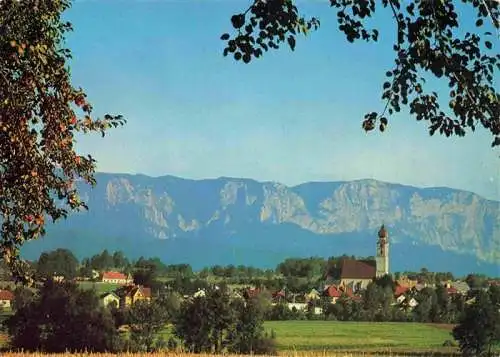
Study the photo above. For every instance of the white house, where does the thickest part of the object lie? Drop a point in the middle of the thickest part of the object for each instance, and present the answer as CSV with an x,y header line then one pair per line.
x,y
114,277
110,298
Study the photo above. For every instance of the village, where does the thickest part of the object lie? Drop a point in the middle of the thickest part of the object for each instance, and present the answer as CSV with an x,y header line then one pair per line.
x,y
145,305
353,278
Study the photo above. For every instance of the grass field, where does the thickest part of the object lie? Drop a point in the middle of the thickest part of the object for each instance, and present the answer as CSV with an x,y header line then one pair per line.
x,y
369,337
100,287
359,336
332,338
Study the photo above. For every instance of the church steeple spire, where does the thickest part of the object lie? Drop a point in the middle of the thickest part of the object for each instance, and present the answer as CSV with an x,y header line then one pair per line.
x,y
382,258
382,232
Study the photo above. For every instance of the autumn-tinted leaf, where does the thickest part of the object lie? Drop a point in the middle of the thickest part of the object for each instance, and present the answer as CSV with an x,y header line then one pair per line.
x,y
38,113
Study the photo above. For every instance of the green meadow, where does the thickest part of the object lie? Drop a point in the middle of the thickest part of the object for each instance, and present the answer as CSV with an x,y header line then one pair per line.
x,y
363,337
360,336
99,287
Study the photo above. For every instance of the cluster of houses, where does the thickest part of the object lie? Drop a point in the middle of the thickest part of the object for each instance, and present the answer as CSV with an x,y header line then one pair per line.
x,y
355,275
404,294
127,294
351,285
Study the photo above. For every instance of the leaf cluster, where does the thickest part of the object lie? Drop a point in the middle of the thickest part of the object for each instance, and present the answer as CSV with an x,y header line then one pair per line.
x,y
40,114
430,40
265,25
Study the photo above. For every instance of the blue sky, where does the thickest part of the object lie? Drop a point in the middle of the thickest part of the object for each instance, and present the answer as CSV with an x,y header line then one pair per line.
x,y
289,116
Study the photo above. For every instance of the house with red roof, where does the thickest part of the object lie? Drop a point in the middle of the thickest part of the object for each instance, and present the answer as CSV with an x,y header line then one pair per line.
x,y
114,277
6,298
400,290
333,293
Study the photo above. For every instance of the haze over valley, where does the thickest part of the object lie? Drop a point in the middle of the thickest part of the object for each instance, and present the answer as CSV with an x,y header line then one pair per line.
x,y
243,221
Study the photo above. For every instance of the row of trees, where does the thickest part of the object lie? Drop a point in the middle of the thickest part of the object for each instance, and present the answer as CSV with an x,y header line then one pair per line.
x,y
63,262
61,317
297,275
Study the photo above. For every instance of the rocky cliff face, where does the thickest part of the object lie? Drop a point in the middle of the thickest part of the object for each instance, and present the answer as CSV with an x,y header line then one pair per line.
x,y
170,207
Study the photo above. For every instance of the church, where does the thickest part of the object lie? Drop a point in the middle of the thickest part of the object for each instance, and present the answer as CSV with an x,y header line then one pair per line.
x,y
357,274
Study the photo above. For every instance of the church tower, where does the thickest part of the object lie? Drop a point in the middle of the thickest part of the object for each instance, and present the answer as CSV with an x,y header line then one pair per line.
x,y
382,257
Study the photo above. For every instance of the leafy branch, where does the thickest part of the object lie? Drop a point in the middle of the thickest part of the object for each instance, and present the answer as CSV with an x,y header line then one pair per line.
x,y
429,41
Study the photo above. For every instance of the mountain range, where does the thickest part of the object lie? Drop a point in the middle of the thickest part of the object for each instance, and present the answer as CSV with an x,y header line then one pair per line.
x,y
243,221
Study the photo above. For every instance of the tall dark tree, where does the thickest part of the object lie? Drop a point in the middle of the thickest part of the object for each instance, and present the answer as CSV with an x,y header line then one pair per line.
x,y
41,111
63,318
216,323
427,305
432,39
479,328
103,261
386,281
119,260
247,335
203,324
443,304
85,269
58,262
373,298
181,270
476,281
146,320
23,296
